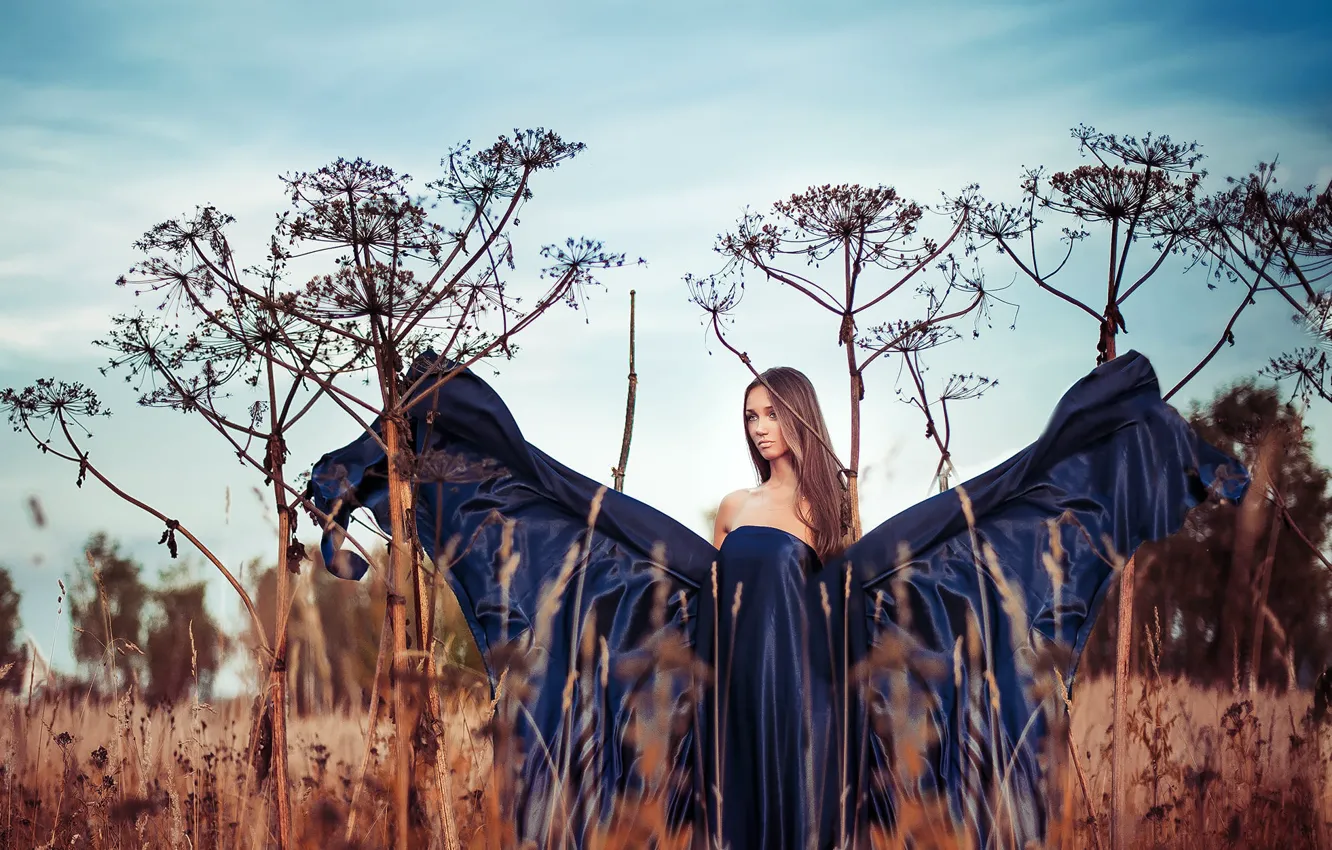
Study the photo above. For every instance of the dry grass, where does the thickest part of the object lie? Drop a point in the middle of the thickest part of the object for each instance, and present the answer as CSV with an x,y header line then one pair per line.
x,y
1210,770
75,772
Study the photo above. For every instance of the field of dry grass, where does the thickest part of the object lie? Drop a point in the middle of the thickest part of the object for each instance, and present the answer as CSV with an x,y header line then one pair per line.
x,y
1210,769
86,774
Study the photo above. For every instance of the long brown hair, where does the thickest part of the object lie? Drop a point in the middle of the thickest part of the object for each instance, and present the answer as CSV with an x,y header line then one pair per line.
x,y
819,479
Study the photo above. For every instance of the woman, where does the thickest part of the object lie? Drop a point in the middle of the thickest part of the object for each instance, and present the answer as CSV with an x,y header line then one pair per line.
x,y
775,693
775,685
800,489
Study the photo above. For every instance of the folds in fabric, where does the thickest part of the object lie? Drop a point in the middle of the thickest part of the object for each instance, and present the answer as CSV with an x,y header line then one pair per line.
x,y
576,608
946,621
1115,467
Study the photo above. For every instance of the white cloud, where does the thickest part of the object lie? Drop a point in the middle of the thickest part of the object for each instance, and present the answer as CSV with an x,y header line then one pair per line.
x,y
52,330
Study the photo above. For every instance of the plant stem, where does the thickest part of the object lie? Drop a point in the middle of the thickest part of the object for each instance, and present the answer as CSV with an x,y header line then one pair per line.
x,y
278,674
618,472
399,573
1119,839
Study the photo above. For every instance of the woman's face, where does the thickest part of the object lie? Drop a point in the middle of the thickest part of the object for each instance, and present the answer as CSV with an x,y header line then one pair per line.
x,y
761,424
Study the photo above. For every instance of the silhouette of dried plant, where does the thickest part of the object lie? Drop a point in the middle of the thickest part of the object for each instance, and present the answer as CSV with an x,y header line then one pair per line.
x,y
861,231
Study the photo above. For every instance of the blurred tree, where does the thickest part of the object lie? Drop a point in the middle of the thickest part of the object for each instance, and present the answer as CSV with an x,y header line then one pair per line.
x,y
12,653
1236,596
107,598
333,635
184,643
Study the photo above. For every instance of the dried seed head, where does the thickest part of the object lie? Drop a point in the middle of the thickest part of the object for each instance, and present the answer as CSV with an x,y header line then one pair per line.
x,y
957,663
605,663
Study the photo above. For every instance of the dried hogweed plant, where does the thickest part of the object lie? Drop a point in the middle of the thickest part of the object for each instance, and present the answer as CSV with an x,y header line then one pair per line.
x,y
219,346
1138,190
1141,190
254,354
871,238
404,284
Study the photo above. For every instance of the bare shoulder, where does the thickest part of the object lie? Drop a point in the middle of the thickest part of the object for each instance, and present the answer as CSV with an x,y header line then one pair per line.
x,y
731,504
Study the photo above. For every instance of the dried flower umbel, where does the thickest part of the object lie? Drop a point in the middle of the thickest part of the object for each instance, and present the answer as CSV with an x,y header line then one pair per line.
x,y
872,239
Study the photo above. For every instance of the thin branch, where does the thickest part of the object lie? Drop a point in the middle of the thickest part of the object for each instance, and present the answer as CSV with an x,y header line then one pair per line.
x,y
1226,336
922,325
1128,237
1280,502
174,525
221,425
557,291
1160,258
420,309
1043,285
744,358
258,297
922,401
1262,272
812,284
619,470
1293,267
786,278
961,222
328,386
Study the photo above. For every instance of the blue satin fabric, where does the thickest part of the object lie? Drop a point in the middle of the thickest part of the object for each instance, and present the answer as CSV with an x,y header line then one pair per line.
x,y
810,698
772,714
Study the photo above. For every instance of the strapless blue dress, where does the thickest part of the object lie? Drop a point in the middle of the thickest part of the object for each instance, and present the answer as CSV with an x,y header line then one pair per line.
x,y
755,695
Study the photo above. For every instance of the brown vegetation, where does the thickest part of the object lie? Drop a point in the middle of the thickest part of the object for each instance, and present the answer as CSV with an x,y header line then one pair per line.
x,y
1210,768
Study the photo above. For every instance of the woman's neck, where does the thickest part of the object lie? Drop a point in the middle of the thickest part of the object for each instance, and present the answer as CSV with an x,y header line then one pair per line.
x,y
782,473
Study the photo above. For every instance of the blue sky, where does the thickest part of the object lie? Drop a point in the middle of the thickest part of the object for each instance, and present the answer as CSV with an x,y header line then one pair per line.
x,y
119,115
